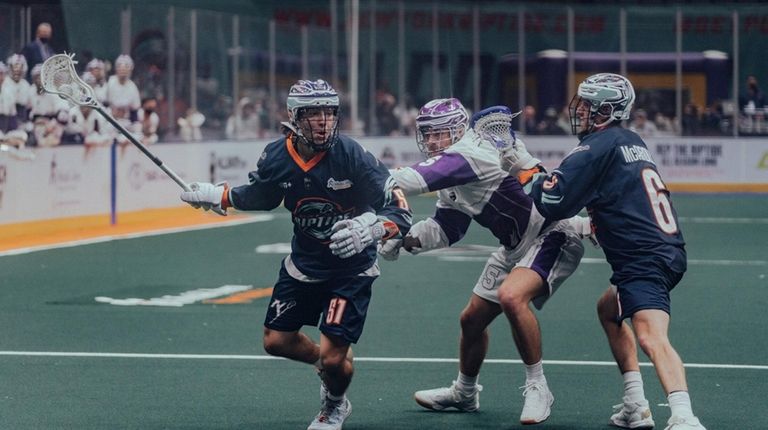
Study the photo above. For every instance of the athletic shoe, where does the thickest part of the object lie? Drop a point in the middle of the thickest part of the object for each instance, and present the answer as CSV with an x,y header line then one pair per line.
x,y
635,415
439,399
538,403
332,415
684,423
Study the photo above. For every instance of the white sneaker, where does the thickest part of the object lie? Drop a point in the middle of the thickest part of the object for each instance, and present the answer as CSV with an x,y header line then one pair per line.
x,y
332,415
538,403
634,415
449,397
684,423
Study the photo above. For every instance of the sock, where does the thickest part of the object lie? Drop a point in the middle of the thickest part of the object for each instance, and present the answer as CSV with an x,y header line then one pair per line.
x,y
535,373
335,399
680,403
633,387
466,384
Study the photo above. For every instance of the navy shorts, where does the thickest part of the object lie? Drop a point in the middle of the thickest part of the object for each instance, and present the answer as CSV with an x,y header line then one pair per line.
x,y
645,293
341,302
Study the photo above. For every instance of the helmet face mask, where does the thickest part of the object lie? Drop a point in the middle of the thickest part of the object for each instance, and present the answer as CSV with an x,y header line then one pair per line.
x,y
440,124
601,100
313,112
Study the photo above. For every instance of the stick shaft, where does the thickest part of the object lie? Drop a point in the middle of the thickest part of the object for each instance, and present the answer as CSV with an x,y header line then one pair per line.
x,y
143,148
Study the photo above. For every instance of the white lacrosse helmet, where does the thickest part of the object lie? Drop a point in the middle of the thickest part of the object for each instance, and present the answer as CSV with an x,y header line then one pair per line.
x,y
609,97
440,116
17,64
123,65
305,95
98,64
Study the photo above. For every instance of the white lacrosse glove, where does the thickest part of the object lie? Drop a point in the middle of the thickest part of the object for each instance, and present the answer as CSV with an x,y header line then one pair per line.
x,y
390,249
352,236
206,195
516,157
424,236
585,230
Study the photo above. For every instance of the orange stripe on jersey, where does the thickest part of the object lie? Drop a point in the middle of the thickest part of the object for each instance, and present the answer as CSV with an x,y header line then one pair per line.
x,y
225,198
525,176
306,166
391,229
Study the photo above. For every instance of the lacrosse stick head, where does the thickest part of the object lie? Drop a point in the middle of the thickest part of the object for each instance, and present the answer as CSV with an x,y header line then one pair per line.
x,y
494,125
58,76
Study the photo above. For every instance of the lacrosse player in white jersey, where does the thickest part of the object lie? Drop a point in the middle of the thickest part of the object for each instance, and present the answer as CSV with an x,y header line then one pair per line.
x,y
534,258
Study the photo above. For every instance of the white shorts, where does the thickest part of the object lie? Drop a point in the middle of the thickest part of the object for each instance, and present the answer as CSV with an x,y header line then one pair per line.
x,y
553,255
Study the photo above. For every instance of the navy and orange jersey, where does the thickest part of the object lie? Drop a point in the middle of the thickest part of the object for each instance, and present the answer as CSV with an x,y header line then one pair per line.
x,y
341,183
612,174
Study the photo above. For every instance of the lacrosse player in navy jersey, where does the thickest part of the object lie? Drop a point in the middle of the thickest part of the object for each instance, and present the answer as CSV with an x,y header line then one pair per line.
x,y
534,259
612,174
342,202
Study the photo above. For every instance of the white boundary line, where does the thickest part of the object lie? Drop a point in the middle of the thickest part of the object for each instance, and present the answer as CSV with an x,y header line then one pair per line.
x,y
363,359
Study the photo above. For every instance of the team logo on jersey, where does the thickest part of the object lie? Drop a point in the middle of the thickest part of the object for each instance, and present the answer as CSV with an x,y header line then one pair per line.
x,y
315,217
285,185
339,185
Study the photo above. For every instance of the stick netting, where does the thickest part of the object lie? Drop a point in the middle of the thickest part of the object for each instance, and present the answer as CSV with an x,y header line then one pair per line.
x,y
58,76
496,128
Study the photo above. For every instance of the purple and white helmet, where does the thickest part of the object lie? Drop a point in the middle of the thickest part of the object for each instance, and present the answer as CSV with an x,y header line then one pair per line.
x,y
438,116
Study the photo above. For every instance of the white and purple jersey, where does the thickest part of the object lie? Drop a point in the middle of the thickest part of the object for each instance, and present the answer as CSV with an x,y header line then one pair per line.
x,y
470,184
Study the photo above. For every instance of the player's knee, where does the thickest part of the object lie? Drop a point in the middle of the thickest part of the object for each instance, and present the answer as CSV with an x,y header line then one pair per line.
x,y
511,301
468,321
651,344
334,363
273,345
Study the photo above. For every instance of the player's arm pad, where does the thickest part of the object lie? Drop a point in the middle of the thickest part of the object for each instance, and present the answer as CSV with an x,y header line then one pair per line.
x,y
430,235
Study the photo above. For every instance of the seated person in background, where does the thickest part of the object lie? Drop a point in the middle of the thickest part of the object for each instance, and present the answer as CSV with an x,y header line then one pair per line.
x,y
16,90
96,76
123,97
244,122
49,113
189,125
149,120
642,126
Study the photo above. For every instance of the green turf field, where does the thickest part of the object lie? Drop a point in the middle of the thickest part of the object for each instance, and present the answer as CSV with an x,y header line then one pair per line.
x,y
70,362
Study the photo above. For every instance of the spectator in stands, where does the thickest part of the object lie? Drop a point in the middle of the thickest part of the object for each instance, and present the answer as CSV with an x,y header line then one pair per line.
x,y
97,70
528,125
189,125
123,97
642,125
406,114
149,120
17,90
385,112
752,98
39,50
49,113
549,125
664,124
7,104
712,119
245,122
690,122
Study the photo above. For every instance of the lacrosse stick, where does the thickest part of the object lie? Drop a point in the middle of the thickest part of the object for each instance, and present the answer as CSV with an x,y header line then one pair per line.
x,y
59,77
494,125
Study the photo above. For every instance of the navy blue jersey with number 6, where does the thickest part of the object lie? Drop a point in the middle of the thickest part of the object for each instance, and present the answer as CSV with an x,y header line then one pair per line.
x,y
340,183
612,174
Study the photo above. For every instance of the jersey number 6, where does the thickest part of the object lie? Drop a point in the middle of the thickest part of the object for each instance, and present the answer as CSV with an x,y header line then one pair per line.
x,y
657,195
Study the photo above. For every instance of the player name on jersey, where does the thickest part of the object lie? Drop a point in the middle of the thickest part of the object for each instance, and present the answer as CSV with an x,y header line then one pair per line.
x,y
636,153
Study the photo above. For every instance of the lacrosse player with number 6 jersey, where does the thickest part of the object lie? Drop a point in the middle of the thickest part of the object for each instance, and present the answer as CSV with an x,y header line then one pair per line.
x,y
534,258
342,201
612,174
